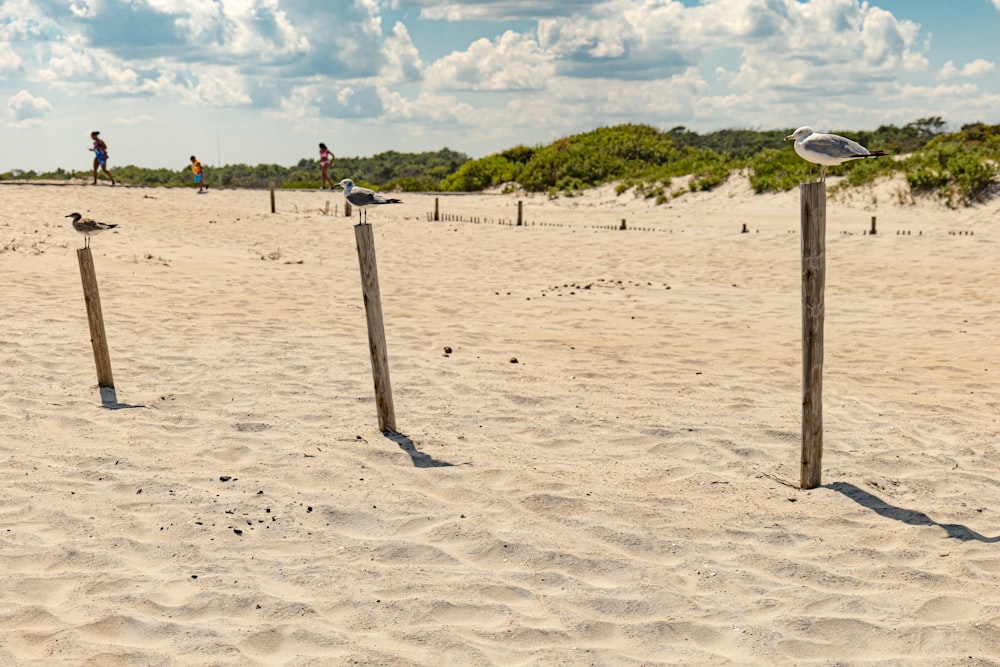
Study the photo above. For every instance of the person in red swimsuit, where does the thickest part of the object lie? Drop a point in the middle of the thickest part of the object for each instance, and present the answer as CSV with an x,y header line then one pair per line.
x,y
325,162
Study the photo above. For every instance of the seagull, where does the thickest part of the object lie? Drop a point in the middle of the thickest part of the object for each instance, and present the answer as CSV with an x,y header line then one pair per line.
x,y
362,197
828,149
86,226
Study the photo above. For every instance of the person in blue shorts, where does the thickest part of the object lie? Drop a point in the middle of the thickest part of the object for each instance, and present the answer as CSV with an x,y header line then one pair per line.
x,y
100,156
199,174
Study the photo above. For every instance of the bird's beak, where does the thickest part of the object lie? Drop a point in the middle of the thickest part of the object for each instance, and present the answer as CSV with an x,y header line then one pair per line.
x,y
790,137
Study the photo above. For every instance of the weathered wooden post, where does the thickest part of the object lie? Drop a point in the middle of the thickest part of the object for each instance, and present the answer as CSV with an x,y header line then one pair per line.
x,y
98,339
436,215
873,226
376,329
813,205
272,196
347,209
520,211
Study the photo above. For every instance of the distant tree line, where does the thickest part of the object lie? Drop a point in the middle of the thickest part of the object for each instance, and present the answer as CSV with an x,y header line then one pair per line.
x,y
960,167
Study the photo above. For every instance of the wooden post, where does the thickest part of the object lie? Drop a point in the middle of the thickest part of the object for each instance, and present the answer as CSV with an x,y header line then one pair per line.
x,y
873,226
98,339
520,211
436,215
347,209
272,196
376,330
813,206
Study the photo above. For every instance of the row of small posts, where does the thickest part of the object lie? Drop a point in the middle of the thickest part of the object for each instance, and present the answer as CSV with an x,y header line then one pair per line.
x,y
813,243
520,212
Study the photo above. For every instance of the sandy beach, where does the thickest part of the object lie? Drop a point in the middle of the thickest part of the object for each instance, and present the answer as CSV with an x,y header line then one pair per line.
x,y
603,471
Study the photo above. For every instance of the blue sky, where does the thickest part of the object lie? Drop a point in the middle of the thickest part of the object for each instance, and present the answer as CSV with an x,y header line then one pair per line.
x,y
266,80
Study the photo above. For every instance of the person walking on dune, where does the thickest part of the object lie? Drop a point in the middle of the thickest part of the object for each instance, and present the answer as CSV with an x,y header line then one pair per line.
x,y
100,156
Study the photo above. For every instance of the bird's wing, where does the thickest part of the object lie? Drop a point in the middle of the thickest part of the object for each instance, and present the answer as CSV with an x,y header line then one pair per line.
x,y
362,196
837,145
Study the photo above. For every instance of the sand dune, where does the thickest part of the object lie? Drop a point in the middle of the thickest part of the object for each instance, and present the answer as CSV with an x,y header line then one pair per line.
x,y
603,471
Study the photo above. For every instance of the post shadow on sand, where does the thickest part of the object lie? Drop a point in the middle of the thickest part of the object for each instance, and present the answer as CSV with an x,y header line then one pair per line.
x,y
109,400
420,460
911,517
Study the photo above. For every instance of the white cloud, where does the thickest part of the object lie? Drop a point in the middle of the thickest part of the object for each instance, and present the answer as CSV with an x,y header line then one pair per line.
x,y
495,10
401,60
9,60
25,109
512,62
977,67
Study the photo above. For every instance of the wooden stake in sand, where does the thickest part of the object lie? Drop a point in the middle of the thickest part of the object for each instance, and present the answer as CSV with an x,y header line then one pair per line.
x,y
520,211
813,203
436,215
376,329
98,339
347,209
272,196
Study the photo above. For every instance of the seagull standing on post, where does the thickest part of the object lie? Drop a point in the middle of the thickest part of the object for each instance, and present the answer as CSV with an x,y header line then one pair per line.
x,y
362,197
828,150
87,227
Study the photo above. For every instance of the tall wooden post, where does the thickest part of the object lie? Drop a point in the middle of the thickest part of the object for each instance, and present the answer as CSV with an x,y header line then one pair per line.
x,y
98,339
376,329
347,209
520,210
873,226
436,215
813,203
272,196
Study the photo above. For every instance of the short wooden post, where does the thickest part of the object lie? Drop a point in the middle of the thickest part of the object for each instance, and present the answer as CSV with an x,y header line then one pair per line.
x,y
347,209
272,196
326,211
813,207
622,226
873,226
436,214
376,329
98,339
520,212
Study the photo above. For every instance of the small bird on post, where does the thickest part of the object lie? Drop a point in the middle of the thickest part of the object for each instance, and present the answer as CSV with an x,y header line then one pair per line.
x,y
828,150
87,227
362,197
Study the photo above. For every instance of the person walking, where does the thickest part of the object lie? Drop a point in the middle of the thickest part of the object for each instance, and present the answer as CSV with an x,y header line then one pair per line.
x,y
325,162
199,174
100,156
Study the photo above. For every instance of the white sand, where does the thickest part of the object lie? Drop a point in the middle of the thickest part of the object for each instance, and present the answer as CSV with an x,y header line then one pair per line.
x,y
625,494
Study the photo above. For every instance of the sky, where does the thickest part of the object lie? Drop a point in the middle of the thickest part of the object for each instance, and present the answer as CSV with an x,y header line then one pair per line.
x,y
264,81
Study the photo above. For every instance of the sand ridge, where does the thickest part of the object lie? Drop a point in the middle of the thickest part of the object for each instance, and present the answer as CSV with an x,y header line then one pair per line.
x,y
622,494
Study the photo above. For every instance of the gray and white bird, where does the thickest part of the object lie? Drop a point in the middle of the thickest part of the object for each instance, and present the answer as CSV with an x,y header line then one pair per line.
x,y
828,150
88,227
362,197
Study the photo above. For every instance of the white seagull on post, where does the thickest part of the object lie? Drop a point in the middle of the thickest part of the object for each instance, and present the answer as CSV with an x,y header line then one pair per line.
x,y
828,150
362,197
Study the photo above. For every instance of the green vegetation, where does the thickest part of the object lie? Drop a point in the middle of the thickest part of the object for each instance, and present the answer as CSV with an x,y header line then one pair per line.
x,y
959,167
